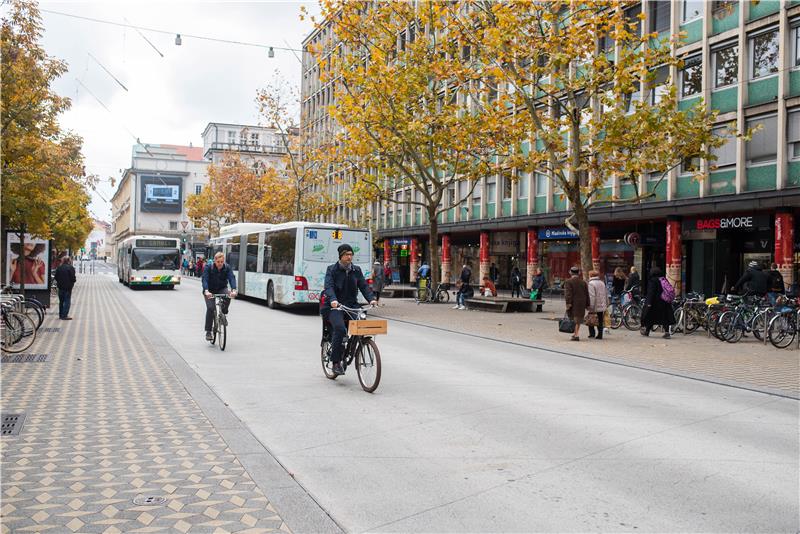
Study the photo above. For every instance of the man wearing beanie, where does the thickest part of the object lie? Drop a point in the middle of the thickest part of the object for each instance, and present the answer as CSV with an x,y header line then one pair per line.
x,y
343,280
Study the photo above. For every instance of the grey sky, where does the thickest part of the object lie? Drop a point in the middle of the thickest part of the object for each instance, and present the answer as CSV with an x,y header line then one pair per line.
x,y
171,99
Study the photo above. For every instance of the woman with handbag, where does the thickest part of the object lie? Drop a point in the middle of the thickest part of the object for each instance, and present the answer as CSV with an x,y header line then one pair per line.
x,y
598,302
576,297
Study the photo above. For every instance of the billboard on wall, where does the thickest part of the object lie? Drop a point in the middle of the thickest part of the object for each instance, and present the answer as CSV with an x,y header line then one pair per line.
x,y
161,194
35,254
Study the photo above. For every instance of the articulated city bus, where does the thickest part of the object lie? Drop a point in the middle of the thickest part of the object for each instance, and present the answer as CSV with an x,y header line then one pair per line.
x,y
285,264
149,260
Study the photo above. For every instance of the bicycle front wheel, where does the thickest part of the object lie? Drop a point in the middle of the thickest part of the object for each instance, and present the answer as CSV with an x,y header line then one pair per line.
x,y
443,296
368,365
632,317
222,336
616,317
782,330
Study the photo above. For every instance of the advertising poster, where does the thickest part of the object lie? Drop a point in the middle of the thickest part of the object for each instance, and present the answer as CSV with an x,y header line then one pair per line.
x,y
161,194
35,254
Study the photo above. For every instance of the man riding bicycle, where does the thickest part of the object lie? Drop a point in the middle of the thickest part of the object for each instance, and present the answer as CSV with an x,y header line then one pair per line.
x,y
343,280
216,280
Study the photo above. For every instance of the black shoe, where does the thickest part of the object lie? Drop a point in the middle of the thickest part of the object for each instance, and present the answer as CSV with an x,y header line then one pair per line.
x,y
591,336
644,333
599,338
574,338
209,337
337,369
667,336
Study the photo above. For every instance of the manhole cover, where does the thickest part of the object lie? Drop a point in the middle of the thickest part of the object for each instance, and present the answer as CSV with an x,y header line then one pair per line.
x,y
24,358
149,500
12,423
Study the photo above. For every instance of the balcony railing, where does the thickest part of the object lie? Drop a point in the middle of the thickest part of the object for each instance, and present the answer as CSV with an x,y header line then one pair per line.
x,y
246,147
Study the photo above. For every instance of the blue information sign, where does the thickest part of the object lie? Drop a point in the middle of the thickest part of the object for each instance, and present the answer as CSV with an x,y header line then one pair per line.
x,y
557,233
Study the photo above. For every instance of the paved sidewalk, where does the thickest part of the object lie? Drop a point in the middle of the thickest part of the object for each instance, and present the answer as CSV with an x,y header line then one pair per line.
x,y
749,363
107,421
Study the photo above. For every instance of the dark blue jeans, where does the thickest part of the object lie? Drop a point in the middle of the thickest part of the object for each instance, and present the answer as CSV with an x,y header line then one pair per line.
x,y
64,301
338,321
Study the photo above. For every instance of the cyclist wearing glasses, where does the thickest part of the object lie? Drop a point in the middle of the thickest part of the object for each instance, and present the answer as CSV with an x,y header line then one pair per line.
x,y
215,280
343,281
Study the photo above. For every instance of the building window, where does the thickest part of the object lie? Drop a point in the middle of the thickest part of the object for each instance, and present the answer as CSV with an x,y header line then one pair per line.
x,y
763,147
692,9
793,134
491,190
692,76
476,193
764,53
541,185
659,85
173,225
198,188
231,137
796,31
632,17
726,154
506,187
254,139
523,185
726,66
660,15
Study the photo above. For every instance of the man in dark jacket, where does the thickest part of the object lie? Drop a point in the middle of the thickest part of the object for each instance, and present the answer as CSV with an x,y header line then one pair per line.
x,y
343,281
634,282
216,280
576,298
656,310
775,285
754,280
65,278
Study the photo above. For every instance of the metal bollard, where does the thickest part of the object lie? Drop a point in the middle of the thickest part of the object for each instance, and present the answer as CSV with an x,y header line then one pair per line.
x,y
767,316
797,328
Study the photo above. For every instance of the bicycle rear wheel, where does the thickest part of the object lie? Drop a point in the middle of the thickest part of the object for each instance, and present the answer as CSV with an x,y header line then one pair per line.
x,y
443,296
19,332
325,356
35,310
782,331
632,317
368,365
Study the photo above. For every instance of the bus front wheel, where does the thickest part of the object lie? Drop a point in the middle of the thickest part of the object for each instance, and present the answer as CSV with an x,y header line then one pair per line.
x,y
271,296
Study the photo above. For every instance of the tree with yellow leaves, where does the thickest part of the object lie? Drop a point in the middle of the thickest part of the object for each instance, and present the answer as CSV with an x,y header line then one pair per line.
x,y
305,162
590,98
43,180
413,114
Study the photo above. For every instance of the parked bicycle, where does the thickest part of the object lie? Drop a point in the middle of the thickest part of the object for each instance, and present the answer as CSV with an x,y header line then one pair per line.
x,y
25,304
782,328
441,294
219,330
18,330
359,346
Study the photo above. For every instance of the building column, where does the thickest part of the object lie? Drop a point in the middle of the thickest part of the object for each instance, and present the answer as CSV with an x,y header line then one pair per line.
x,y
674,253
533,255
387,251
413,263
784,246
594,232
446,258
484,257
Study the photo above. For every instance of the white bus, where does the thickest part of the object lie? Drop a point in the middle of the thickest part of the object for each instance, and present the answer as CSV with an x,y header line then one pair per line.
x,y
149,260
285,264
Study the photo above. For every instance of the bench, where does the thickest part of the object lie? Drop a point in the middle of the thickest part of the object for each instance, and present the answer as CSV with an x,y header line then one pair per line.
x,y
504,304
398,291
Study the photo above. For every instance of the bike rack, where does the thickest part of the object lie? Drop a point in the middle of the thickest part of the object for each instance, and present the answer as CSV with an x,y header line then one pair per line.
x,y
797,329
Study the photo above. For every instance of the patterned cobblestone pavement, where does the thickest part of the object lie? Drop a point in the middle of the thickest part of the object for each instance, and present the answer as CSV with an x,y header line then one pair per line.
x,y
749,363
108,422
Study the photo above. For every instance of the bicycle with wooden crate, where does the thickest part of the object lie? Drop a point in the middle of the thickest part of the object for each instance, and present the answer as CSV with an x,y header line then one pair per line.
x,y
359,346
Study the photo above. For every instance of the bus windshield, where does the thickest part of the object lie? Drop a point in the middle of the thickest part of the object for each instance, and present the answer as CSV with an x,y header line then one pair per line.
x,y
154,259
321,244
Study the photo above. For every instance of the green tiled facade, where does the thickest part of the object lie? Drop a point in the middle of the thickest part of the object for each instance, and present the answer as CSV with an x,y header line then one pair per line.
x,y
725,100
761,91
627,191
490,210
762,8
559,203
761,178
722,182
727,22
540,204
793,179
476,212
522,206
683,105
506,208
694,31
660,189
794,82
687,187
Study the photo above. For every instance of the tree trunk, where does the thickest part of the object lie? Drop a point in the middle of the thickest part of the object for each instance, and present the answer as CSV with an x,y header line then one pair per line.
x,y
584,233
433,246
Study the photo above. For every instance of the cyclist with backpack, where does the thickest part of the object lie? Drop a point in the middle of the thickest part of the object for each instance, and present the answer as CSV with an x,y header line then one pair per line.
x,y
658,304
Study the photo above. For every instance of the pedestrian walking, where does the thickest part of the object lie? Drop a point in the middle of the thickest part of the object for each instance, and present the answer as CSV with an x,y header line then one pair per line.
x,y
494,273
598,302
378,281
191,267
185,266
65,278
387,274
516,282
658,306
465,290
576,297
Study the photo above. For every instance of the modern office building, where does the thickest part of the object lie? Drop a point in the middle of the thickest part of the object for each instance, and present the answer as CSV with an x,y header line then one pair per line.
x,y
743,58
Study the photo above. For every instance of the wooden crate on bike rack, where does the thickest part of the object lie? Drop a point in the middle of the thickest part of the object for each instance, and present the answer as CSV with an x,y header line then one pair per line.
x,y
367,327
